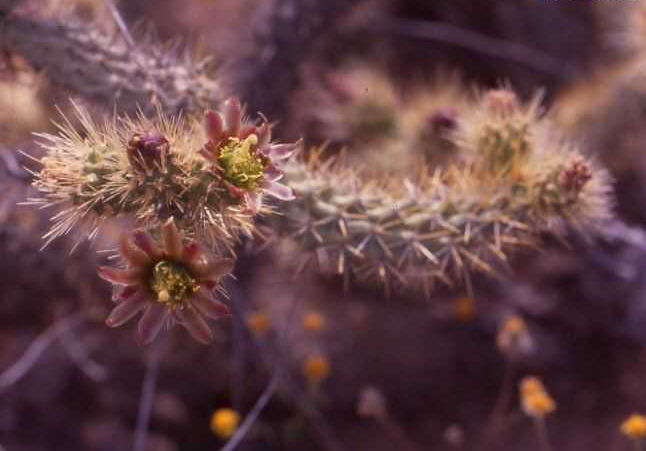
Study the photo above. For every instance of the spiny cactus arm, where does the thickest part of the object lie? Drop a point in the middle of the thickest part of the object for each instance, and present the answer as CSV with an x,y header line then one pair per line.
x,y
409,242
106,69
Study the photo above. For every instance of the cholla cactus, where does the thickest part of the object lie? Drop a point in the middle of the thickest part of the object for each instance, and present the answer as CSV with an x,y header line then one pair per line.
x,y
171,281
626,27
518,178
361,107
356,105
208,181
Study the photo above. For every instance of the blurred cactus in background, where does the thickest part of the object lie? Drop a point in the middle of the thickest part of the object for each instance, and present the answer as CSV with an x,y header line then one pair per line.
x,y
361,109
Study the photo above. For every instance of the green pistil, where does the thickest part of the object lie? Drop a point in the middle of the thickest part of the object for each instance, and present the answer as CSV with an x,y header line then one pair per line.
x,y
172,283
242,167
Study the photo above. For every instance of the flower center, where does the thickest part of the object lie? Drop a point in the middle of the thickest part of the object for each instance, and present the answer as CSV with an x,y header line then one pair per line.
x,y
241,165
172,282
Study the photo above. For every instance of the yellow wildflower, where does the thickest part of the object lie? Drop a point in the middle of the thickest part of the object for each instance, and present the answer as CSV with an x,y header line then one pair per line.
x,y
535,400
258,322
316,368
224,422
313,321
464,308
634,427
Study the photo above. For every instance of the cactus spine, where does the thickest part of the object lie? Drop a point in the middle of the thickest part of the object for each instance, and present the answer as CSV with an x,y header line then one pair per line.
x,y
516,178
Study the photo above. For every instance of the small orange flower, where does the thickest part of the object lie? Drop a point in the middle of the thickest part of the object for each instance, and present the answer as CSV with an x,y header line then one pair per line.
x,y
513,336
314,321
464,308
316,368
531,384
634,427
258,322
535,400
224,422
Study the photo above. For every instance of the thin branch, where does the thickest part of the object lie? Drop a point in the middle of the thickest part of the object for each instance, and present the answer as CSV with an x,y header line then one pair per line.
x,y
251,417
487,45
276,356
148,394
121,24
79,355
238,361
40,344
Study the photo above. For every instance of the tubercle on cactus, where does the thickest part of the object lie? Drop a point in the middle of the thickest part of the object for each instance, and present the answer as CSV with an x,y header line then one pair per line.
x,y
469,217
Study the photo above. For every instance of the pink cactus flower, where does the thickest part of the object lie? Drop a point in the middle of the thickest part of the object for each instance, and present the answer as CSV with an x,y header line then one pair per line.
x,y
171,281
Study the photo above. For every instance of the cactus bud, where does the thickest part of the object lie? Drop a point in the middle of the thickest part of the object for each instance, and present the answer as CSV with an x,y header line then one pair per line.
x,y
147,151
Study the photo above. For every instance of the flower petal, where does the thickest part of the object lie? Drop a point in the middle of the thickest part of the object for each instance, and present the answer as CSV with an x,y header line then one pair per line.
x,y
133,255
192,252
195,324
121,293
282,151
214,125
208,156
151,323
232,116
247,131
208,306
172,239
254,201
126,309
272,173
146,243
212,270
119,276
277,190
264,135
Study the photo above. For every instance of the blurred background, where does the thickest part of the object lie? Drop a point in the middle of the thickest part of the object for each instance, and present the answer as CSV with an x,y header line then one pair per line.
x,y
358,371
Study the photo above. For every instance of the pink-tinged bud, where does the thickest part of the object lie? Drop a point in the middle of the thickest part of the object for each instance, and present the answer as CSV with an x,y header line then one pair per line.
x,y
443,120
232,116
501,101
147,151
574,177
214,126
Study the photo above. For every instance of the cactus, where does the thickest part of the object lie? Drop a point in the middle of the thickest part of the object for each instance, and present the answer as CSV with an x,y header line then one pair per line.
x,y
210,181
517,178
104,67
360,107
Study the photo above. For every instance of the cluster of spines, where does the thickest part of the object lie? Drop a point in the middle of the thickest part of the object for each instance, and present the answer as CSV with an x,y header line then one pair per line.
x,y
176,179
157,169
105,67
516,178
